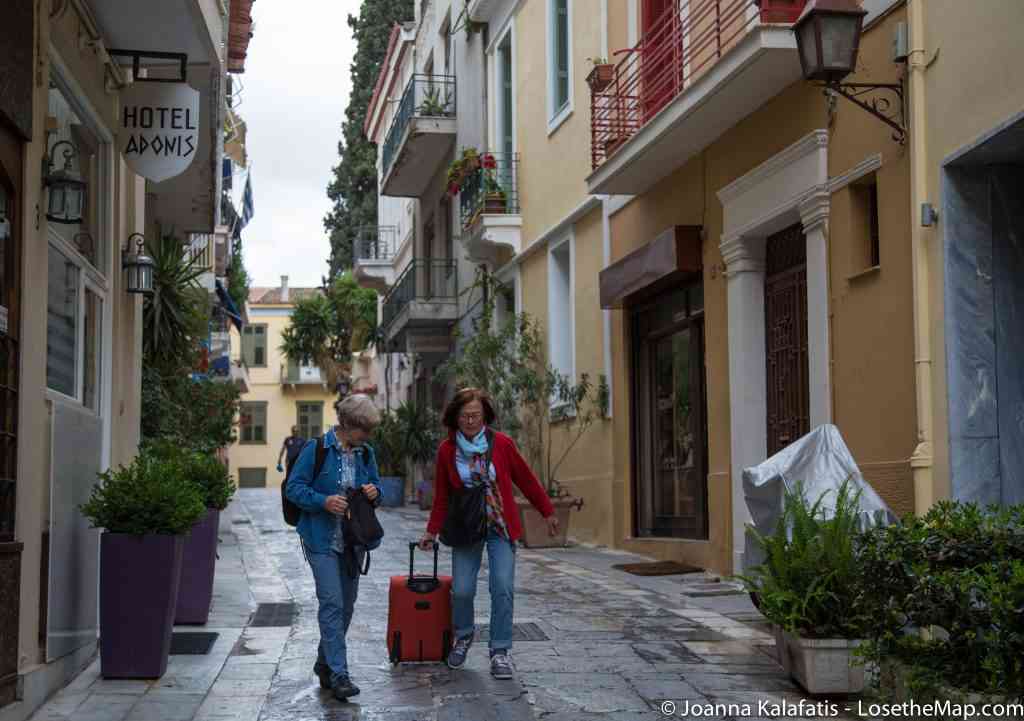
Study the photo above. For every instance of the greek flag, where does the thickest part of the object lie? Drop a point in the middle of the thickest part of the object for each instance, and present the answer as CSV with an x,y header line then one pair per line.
x,y
247,207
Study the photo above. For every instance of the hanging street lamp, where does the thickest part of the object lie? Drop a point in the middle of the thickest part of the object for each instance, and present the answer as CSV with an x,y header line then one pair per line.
x,y
828,34
66,189
138,266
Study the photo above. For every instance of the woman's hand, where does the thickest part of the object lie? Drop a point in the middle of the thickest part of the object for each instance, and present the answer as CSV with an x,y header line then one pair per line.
x,y
428,541
337,505
371,491
552,522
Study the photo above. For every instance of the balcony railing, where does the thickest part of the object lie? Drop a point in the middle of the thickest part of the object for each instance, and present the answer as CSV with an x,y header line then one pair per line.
x,y
200,251
426,96
376,242
425,280
680,46
492,189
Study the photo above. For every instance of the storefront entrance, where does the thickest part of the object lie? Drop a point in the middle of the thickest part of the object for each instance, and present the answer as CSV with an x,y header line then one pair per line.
x,y
670,418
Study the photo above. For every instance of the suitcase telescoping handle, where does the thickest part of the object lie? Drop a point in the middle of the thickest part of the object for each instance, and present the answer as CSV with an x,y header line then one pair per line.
x,y
422,584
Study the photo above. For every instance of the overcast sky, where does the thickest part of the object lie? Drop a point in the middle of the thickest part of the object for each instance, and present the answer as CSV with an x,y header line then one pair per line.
x,y
296,86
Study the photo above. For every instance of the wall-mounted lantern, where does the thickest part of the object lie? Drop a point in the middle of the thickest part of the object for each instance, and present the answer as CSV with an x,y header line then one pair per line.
x,y
67,191
138,266
828,39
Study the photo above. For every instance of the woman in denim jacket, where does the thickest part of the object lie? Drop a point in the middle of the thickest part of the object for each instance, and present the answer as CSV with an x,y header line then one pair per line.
x,y
350,463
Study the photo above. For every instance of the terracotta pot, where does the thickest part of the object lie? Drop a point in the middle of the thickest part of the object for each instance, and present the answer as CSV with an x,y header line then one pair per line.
x,y
494,204
601,77
535,529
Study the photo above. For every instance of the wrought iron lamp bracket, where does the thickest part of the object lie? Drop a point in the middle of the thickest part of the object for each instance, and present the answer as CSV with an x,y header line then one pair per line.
x,y
883,108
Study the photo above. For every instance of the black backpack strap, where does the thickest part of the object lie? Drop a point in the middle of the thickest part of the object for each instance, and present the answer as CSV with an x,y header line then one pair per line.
x,y
321,456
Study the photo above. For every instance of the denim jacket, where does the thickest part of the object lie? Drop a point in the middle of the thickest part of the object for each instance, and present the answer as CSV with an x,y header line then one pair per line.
x,y
317,526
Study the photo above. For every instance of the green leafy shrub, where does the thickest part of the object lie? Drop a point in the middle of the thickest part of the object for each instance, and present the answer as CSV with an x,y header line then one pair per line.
x,y
420,432
203,469
200,415
810,582
152,495
387,444
958,573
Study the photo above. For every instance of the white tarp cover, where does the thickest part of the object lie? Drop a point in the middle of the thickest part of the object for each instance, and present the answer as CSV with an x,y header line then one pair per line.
x,y
821,461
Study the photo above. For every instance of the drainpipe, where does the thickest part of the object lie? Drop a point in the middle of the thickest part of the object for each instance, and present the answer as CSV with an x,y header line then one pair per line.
x,y
922,458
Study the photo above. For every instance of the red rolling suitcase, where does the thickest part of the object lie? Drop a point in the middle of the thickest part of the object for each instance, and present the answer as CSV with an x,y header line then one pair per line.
x,y
419,615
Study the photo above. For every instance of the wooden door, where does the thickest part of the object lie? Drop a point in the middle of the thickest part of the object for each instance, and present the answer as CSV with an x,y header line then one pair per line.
x,y
785,310
661,55
670,417
11,229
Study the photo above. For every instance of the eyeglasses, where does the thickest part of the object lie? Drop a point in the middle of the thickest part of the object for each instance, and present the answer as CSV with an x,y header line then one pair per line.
x,y
471,417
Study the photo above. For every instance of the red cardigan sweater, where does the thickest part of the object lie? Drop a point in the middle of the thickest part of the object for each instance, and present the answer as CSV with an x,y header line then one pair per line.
x,y
510,468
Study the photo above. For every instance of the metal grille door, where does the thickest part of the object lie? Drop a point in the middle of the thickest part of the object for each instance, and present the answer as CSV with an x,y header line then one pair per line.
x,y
785,309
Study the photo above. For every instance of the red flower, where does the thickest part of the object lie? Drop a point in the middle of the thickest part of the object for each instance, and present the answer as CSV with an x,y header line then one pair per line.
x,y
489,162
453,189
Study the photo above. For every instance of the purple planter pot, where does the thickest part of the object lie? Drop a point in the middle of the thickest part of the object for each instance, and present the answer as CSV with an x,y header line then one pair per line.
x,y
197,566
139,577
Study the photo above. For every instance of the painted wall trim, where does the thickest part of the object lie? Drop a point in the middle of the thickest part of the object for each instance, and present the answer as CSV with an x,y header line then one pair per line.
x,y
592,202
806,145
861,169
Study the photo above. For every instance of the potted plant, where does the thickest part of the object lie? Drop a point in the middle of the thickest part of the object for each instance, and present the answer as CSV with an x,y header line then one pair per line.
x,y
601,76
391,460
573,408
145,509
195,592
433,106
810,588
495,200
958,572
420,432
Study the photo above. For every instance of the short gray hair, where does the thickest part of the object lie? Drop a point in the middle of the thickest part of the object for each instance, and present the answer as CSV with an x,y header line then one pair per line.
x,y
357,411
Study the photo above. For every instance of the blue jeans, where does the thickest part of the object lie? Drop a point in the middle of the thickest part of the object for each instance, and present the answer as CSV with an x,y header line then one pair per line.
x,y
336,591
501,558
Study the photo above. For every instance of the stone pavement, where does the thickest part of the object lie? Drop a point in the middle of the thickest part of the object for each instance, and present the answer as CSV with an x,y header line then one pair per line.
x,y
617,646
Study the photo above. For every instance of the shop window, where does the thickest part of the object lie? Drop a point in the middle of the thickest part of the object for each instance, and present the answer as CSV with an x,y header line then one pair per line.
x,y
252,477
253,423
74,332
75,148
254,346
561,334
310,419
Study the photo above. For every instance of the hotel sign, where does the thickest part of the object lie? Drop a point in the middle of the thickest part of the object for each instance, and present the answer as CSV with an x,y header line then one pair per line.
x,y
159,133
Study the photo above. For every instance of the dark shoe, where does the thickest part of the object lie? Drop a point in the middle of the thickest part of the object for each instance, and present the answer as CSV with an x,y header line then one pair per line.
x,y
457,656
501,666
323,672
344,689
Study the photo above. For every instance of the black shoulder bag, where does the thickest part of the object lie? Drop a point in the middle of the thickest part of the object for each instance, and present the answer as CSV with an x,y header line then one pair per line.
x,y
466,521
293,513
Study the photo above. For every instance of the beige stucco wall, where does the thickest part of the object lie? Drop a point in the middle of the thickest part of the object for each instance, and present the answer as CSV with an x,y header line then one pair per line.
x,y
124,199
871,317
972,86
265,386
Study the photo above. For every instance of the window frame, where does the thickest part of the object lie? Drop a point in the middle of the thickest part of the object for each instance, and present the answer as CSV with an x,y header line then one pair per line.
x,y
565,245
249,330
241,426
298,418
242,472
559,113
499,129
101,280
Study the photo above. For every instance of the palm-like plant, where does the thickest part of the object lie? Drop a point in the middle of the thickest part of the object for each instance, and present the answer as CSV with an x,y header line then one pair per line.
x,y
175,316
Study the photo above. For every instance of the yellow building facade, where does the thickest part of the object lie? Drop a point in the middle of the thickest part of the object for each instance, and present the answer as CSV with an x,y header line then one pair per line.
x,y
280,394
732,253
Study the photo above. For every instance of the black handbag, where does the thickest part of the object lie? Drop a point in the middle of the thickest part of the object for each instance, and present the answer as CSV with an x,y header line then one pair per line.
x,y
466,521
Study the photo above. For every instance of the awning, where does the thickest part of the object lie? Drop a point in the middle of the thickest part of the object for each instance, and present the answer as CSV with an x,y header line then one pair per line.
x,y
229,306
676,250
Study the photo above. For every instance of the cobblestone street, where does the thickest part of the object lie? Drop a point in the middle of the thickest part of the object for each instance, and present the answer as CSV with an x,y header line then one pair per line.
x,y
604,645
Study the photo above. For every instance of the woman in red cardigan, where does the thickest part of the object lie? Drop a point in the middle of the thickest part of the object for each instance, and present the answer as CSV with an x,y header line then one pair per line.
x,y
460,463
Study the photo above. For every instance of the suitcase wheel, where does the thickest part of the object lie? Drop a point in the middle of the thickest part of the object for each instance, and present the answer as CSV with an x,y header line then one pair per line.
x,y
396,648
446,645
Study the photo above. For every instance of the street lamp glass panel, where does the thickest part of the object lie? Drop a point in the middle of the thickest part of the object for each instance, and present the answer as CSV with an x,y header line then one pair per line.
x,y
807,41
839,43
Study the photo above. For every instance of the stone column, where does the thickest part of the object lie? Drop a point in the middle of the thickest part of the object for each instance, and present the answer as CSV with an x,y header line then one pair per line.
x,y
814,216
